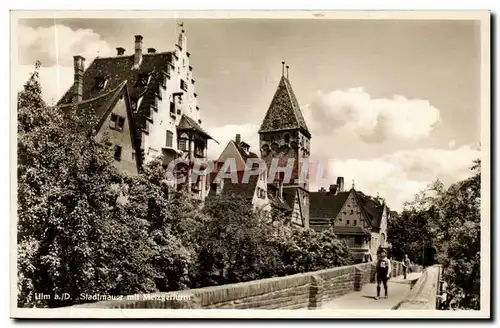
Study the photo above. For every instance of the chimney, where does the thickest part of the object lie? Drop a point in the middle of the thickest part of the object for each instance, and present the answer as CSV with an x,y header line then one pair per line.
x,y
151,50
238,139
333,189
138,51
120,51
340,183
79,64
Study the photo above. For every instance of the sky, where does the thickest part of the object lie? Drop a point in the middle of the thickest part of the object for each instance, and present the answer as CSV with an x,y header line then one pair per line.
x,y
390,104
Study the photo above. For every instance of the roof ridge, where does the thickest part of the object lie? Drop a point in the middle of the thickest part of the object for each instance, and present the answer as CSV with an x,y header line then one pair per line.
x,y
120,86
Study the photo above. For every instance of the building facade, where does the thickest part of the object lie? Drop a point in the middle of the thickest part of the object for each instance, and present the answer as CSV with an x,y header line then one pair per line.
x,y
156,106
246,182
358,219
284,139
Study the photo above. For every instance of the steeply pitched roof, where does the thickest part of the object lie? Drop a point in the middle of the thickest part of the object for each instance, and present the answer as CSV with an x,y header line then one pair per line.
x,y
100,105
243,154
326,205
186,123
284,112
289,195
275,201
119,69
372,208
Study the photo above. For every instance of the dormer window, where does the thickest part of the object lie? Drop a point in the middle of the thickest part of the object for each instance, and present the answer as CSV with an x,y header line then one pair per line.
x,y
100,82
142,80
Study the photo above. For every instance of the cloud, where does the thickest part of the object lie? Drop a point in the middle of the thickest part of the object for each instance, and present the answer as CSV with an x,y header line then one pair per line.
x,y
452,143
353,112
223,134
399,176
55,80
56,45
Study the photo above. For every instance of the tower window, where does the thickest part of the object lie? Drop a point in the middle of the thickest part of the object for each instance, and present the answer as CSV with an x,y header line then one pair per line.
x,y
287,138
354,222
347,221
118,153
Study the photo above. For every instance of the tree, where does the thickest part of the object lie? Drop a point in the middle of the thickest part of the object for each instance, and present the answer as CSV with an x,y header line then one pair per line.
x,y
71,229
172,221
449,219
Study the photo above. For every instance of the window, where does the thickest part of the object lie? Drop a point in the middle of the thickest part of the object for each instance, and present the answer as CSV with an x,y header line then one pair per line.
x,y
352,211
347,221
170,139
354,222
358,240
183,85
172,107
118,153
100,82
182,144
287,138
142,80
117,122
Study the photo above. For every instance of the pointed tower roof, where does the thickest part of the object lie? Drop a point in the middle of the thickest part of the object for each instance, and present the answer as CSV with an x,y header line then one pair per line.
x,y
284,112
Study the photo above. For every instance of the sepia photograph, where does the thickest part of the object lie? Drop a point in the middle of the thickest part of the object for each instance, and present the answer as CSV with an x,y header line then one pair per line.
x,y
181,164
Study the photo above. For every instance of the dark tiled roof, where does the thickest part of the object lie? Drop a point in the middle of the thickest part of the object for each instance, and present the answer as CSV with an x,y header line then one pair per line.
x,y
350,231
186,123
99,106
289,195
245,190
275,201
243,154
119,69
326,205
284,112
372,208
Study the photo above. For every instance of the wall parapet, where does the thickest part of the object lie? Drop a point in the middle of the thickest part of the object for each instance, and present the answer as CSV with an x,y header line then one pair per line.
x,y
299,291
424,294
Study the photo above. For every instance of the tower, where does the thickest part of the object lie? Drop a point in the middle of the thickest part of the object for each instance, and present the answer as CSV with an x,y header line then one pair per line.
x,y
284,136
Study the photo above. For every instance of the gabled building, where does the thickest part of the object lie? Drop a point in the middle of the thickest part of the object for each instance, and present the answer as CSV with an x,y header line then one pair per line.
x,y
146,105
256,189
283,136
358,219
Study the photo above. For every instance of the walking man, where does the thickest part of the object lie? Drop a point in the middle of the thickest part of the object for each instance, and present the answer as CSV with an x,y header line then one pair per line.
x,y
406,265
383,271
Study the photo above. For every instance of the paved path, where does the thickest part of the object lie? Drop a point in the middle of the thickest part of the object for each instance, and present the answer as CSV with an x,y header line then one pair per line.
x,y
365,299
